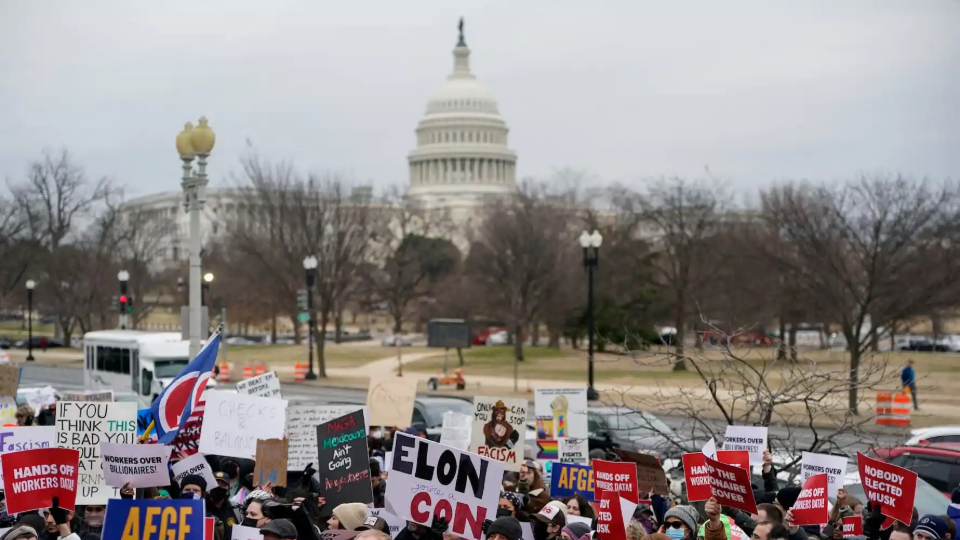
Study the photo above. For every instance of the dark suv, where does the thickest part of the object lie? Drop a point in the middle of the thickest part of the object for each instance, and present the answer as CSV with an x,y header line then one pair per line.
x,y
938,464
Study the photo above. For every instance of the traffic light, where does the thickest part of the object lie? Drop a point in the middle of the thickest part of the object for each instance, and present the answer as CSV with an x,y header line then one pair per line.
x,y
303,302
129,304
123,303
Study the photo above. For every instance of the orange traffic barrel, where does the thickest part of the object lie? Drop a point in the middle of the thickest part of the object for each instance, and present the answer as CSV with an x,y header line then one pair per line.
x,y
900,414
884,408
300,371
224,372
261,369
248,371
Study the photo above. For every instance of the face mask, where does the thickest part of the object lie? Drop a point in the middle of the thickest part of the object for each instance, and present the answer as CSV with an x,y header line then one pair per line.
x,y
231,470
503,512
217,495
249,522
675,534
540,531
190,496
94,520
647,524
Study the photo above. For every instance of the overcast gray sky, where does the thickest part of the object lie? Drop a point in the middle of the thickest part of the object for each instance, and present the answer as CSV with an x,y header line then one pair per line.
x,y
755,90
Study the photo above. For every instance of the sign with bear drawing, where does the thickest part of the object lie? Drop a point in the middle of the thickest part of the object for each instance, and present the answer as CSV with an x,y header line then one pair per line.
x,y
499,429
344,463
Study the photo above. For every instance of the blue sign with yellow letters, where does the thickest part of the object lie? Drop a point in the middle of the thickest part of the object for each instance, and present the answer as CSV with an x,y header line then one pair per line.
x,y
568,479
179,519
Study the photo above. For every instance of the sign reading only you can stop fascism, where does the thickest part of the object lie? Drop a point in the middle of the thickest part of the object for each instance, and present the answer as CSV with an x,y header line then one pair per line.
x,y
82,427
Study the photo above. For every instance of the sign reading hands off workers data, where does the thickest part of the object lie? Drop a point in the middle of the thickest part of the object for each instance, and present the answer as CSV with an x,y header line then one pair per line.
x,y
892,487
233,423
82,427
428,478
34,477
753,439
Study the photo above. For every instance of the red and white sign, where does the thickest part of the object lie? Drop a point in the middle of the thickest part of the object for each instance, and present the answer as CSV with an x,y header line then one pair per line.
x,y
892,487
32,478
740,458
852,526
208,526
610,524
811,505
617,476
696,477
730,485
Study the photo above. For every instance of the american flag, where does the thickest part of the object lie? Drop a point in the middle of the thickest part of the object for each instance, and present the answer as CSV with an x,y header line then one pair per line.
x,y
188,440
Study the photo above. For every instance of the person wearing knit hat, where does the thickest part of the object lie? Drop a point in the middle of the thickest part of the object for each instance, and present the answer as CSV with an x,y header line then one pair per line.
x,y
575,531
194,483
930,527
787,497
23,532
680,522
505,528
279,529
347,517
511,501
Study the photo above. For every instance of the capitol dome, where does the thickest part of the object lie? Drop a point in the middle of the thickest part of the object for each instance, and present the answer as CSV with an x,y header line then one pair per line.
x,y
462,154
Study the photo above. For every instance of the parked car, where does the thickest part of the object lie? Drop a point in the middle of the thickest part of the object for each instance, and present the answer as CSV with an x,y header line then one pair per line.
x,y
933,435
938,464
498,338
51,343
638,431
925,345
391,341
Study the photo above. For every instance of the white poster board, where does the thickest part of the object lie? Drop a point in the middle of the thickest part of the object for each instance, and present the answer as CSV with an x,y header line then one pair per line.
x,y
41,399
240,532
561,412
572,450
424,473
835,468
753,439
195,464
302,422
82,427
17,439
499,430
140,465
456,430
232,423
266,385
710,449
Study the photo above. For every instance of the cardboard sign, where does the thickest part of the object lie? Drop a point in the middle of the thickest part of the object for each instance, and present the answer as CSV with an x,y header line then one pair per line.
x,y
9,380
834,466
616,476
650,474
195,464
302,422
153,519
560,412
428,477
696,477
730,485
568,479
391,400
32,478
344,459
456,430
753,439
499,430
852,526
240,532
102,396
271,462
233,423
8,410
892,487
82,427
142,465
740,458
18,439
811,505
395,524
266,385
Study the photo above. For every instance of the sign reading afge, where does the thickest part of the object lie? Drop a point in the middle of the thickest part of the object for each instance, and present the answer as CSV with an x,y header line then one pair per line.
x,y
428,478
498,425
892,487
32,478
154,519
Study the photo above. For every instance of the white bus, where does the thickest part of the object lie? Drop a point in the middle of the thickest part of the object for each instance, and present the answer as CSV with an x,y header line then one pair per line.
x,y
142,362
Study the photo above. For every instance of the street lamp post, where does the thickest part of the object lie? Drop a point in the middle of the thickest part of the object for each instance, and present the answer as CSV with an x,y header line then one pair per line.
x,y
591,258
180,288
195,142
310,264
30,285
123,277
205,289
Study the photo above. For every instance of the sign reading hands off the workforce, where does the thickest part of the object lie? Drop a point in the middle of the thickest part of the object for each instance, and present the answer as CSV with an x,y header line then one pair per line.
x,y
82,427
391,400
233,423
34,477
142,465
302,422
753,439
811,505
835,467
428,478
154,519
892,487
344,460
498,429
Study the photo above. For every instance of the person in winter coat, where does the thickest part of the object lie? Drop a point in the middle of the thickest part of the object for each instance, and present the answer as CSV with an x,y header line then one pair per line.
x,y
347,517
680,522
378,484
504,528
531,482
714,528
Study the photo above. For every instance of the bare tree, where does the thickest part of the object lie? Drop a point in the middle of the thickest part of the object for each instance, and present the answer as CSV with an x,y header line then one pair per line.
x,y
140,239
18,246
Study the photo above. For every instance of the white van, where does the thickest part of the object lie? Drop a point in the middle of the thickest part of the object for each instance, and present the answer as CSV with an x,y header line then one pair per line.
x,y
134,360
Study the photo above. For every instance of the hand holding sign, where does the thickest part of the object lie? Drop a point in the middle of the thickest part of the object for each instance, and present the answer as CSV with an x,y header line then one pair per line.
x,y
892,488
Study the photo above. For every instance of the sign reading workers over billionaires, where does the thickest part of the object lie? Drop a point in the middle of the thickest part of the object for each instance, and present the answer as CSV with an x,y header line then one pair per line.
x,y
753,439
428,478
892,487
835,467
142,465
344,462
83,426
32,478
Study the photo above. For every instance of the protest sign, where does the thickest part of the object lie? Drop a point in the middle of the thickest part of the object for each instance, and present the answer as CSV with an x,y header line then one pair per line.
x,y
153,519
142,465
613,514
650,474
302,422
144,418
456,430
42,398
17,439
811,505
83,426
391,400
344,460
616,476
710,449
568,479
428,478
271,462
233,423
338,535
730,485
740,458
560,412
195,464
573,450
240,532
80,397
753,439
209,525
394,523
8,410
892,487
498,429
32,478
266,385
852,526
9,380
834,466
526,531
696,476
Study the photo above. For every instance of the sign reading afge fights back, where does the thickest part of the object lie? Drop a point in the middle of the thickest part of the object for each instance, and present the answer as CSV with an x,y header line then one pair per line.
x,y
498,430
428,478
82,427
892,487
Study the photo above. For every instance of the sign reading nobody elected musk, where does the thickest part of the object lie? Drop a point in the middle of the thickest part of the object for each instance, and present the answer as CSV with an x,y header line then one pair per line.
x,y
233,423
141,465
892,487
34,477
154,519
428,478
82,427
266,385
753,439
344,462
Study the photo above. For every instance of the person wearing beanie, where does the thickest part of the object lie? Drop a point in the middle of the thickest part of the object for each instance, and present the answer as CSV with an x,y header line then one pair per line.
x,y
505,528
347,517
279,529
23,532
680,522
194,483
786,498
930,527
575,531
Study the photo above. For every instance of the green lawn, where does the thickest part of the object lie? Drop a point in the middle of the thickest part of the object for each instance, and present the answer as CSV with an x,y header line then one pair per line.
x,y
12,330
335,355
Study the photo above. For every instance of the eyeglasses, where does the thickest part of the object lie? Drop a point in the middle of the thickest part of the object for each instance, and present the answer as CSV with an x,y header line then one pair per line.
x,y
674,524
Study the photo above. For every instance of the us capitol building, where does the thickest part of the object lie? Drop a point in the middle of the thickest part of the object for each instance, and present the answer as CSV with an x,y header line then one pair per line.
x,y
461,159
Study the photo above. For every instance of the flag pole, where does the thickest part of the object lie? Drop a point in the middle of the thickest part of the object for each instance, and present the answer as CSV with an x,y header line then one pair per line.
x,y
146,433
